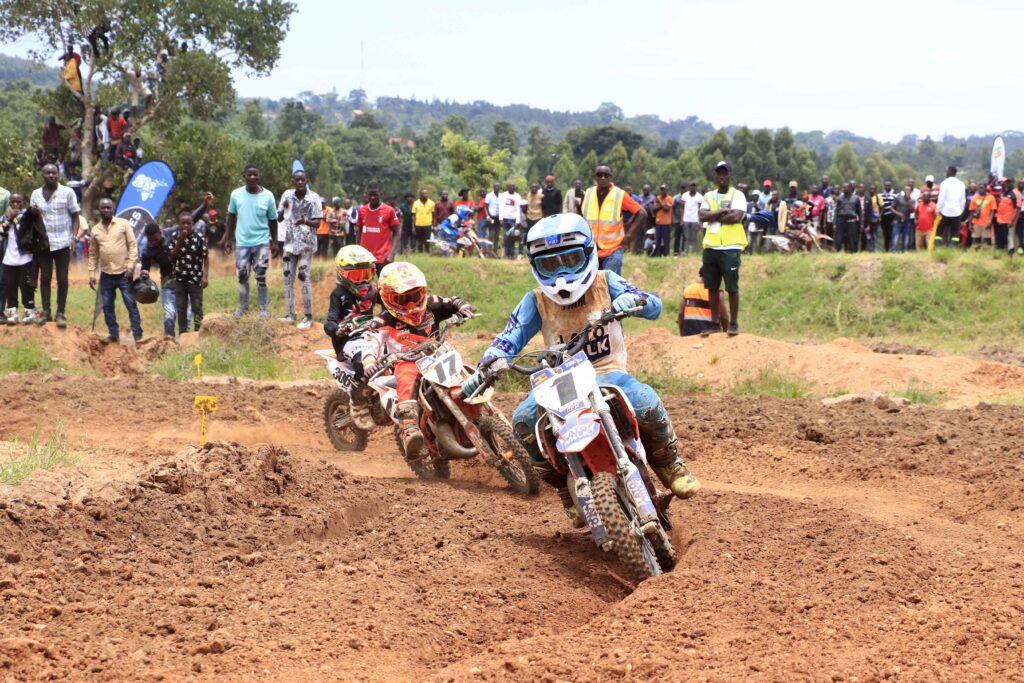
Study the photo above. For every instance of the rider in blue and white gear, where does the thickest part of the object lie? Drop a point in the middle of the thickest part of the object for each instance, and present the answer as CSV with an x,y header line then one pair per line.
x,y
563,255
450,229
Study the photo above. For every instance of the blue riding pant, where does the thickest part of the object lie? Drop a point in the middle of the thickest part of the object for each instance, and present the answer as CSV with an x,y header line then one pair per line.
x,y
655,428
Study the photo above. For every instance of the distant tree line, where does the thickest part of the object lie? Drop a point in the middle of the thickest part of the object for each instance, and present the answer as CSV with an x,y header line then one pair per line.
x,y
347,141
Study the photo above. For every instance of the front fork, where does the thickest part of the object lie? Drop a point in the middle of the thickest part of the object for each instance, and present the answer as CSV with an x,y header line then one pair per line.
x,y
632,481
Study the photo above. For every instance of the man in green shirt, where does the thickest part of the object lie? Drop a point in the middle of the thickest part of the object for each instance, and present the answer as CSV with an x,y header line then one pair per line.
x,y
405,243
724,240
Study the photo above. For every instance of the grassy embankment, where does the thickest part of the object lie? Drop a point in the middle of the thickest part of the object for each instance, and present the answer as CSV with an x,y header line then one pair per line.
x,y
949,301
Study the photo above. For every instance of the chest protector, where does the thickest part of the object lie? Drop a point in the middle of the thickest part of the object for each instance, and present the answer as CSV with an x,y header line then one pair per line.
x,y
607,347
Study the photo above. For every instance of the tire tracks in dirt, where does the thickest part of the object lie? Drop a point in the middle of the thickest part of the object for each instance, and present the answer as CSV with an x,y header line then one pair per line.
x,y
861,542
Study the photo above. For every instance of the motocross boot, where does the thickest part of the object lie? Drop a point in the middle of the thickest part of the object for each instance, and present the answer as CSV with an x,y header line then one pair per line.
x,y
571,510
409,429
672,471
359,409
549,475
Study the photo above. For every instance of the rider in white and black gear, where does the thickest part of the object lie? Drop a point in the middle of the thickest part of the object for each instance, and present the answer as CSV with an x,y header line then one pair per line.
x,y
353,298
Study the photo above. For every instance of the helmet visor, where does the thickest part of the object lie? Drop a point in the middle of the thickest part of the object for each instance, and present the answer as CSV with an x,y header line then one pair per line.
x,y
358,275
566,262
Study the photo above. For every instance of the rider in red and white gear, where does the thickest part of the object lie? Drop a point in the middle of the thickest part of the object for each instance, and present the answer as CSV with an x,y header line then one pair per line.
x,y
410,316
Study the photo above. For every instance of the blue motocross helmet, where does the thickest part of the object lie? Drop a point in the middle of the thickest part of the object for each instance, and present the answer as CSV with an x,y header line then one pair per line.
x,y
563,256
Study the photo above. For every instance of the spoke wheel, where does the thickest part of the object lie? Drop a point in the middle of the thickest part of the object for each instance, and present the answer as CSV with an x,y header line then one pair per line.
x,y
633,550
518,471
341,430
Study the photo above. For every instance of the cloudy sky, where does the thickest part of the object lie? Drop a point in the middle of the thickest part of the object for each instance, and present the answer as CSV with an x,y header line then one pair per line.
x,y
878,68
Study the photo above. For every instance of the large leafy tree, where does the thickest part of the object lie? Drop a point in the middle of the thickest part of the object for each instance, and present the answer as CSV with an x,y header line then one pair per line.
x,y
474,162
602,139
845,167
204,40
504,137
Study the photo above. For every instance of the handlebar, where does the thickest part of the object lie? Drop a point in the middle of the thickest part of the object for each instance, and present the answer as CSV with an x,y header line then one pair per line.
x,y
494,367
424,348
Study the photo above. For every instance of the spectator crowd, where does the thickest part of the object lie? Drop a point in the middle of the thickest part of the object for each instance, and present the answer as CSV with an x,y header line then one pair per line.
x,y
41,236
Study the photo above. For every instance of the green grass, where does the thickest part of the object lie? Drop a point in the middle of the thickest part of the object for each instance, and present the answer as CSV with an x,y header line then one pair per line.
x,y
667,383
37,454
1006,400
922,394
771,381
239,348
949,300
25,356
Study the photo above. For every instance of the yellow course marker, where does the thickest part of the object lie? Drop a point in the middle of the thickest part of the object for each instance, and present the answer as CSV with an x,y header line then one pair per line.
x,y
207,405
199,367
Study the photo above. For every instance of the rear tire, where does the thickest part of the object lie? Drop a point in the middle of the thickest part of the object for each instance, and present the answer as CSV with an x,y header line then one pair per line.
x,y
627,545
519,473
341,430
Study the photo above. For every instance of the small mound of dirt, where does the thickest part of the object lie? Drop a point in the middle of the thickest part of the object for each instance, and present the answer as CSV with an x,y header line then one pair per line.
x,y
100,552
838,367
1000,354
903,349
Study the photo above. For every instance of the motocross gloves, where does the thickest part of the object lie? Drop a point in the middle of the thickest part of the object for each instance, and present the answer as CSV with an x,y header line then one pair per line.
x,y
625,301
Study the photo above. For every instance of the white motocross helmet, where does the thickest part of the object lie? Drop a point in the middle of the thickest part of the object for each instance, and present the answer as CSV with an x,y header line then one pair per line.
x,y
563,256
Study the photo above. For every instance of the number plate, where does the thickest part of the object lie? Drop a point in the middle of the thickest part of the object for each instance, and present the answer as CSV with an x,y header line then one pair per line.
x,y
564,390
577,432
443,367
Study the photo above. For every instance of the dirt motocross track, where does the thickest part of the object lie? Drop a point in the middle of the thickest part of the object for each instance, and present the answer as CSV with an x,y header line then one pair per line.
x,y
855,542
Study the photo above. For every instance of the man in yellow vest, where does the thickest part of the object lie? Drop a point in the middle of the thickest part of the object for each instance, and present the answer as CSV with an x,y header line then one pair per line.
x,y
724,240
602,208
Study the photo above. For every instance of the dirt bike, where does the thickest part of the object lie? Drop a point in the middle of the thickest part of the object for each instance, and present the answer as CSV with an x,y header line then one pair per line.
x,y
341,430
454,429
469,243
589,432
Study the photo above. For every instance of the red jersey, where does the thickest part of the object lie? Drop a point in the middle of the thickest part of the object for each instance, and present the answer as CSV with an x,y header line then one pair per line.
x,y
925,216
375,229
481,211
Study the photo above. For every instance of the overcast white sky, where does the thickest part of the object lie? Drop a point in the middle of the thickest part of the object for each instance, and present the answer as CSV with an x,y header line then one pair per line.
x,y
878,68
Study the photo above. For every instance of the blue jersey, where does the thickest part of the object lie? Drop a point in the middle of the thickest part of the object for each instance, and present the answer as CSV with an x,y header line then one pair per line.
x,y
526,321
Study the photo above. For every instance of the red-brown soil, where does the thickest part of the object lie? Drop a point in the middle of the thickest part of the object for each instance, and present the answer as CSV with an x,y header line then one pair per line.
x,y
861,541
840,366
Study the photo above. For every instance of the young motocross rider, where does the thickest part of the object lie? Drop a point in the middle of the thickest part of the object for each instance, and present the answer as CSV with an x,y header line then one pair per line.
x,y
408,319
564,260
354,296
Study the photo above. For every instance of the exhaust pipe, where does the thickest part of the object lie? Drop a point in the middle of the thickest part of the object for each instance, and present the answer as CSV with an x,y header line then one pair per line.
x,y
450,445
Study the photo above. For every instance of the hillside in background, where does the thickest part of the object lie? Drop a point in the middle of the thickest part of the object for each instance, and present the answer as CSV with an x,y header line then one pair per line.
x,y
348,141
16,69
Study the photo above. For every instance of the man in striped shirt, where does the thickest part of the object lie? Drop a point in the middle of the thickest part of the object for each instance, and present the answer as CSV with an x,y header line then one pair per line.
x,y
58,206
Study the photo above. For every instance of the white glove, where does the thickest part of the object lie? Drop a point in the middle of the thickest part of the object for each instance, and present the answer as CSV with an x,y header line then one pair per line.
x,y
626,301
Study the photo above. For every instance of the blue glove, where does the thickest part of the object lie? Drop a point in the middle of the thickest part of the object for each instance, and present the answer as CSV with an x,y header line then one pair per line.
x,y
625,301
471,384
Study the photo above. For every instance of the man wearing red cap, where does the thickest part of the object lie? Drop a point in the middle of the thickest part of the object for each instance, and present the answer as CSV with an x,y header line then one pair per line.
x,y
765,194
551,201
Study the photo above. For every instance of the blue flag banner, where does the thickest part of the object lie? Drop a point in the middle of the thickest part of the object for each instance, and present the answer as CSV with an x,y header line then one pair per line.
x,y
145,194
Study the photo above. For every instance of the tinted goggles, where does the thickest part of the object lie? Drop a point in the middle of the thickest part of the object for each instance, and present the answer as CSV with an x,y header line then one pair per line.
x,y
359,275
566,262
